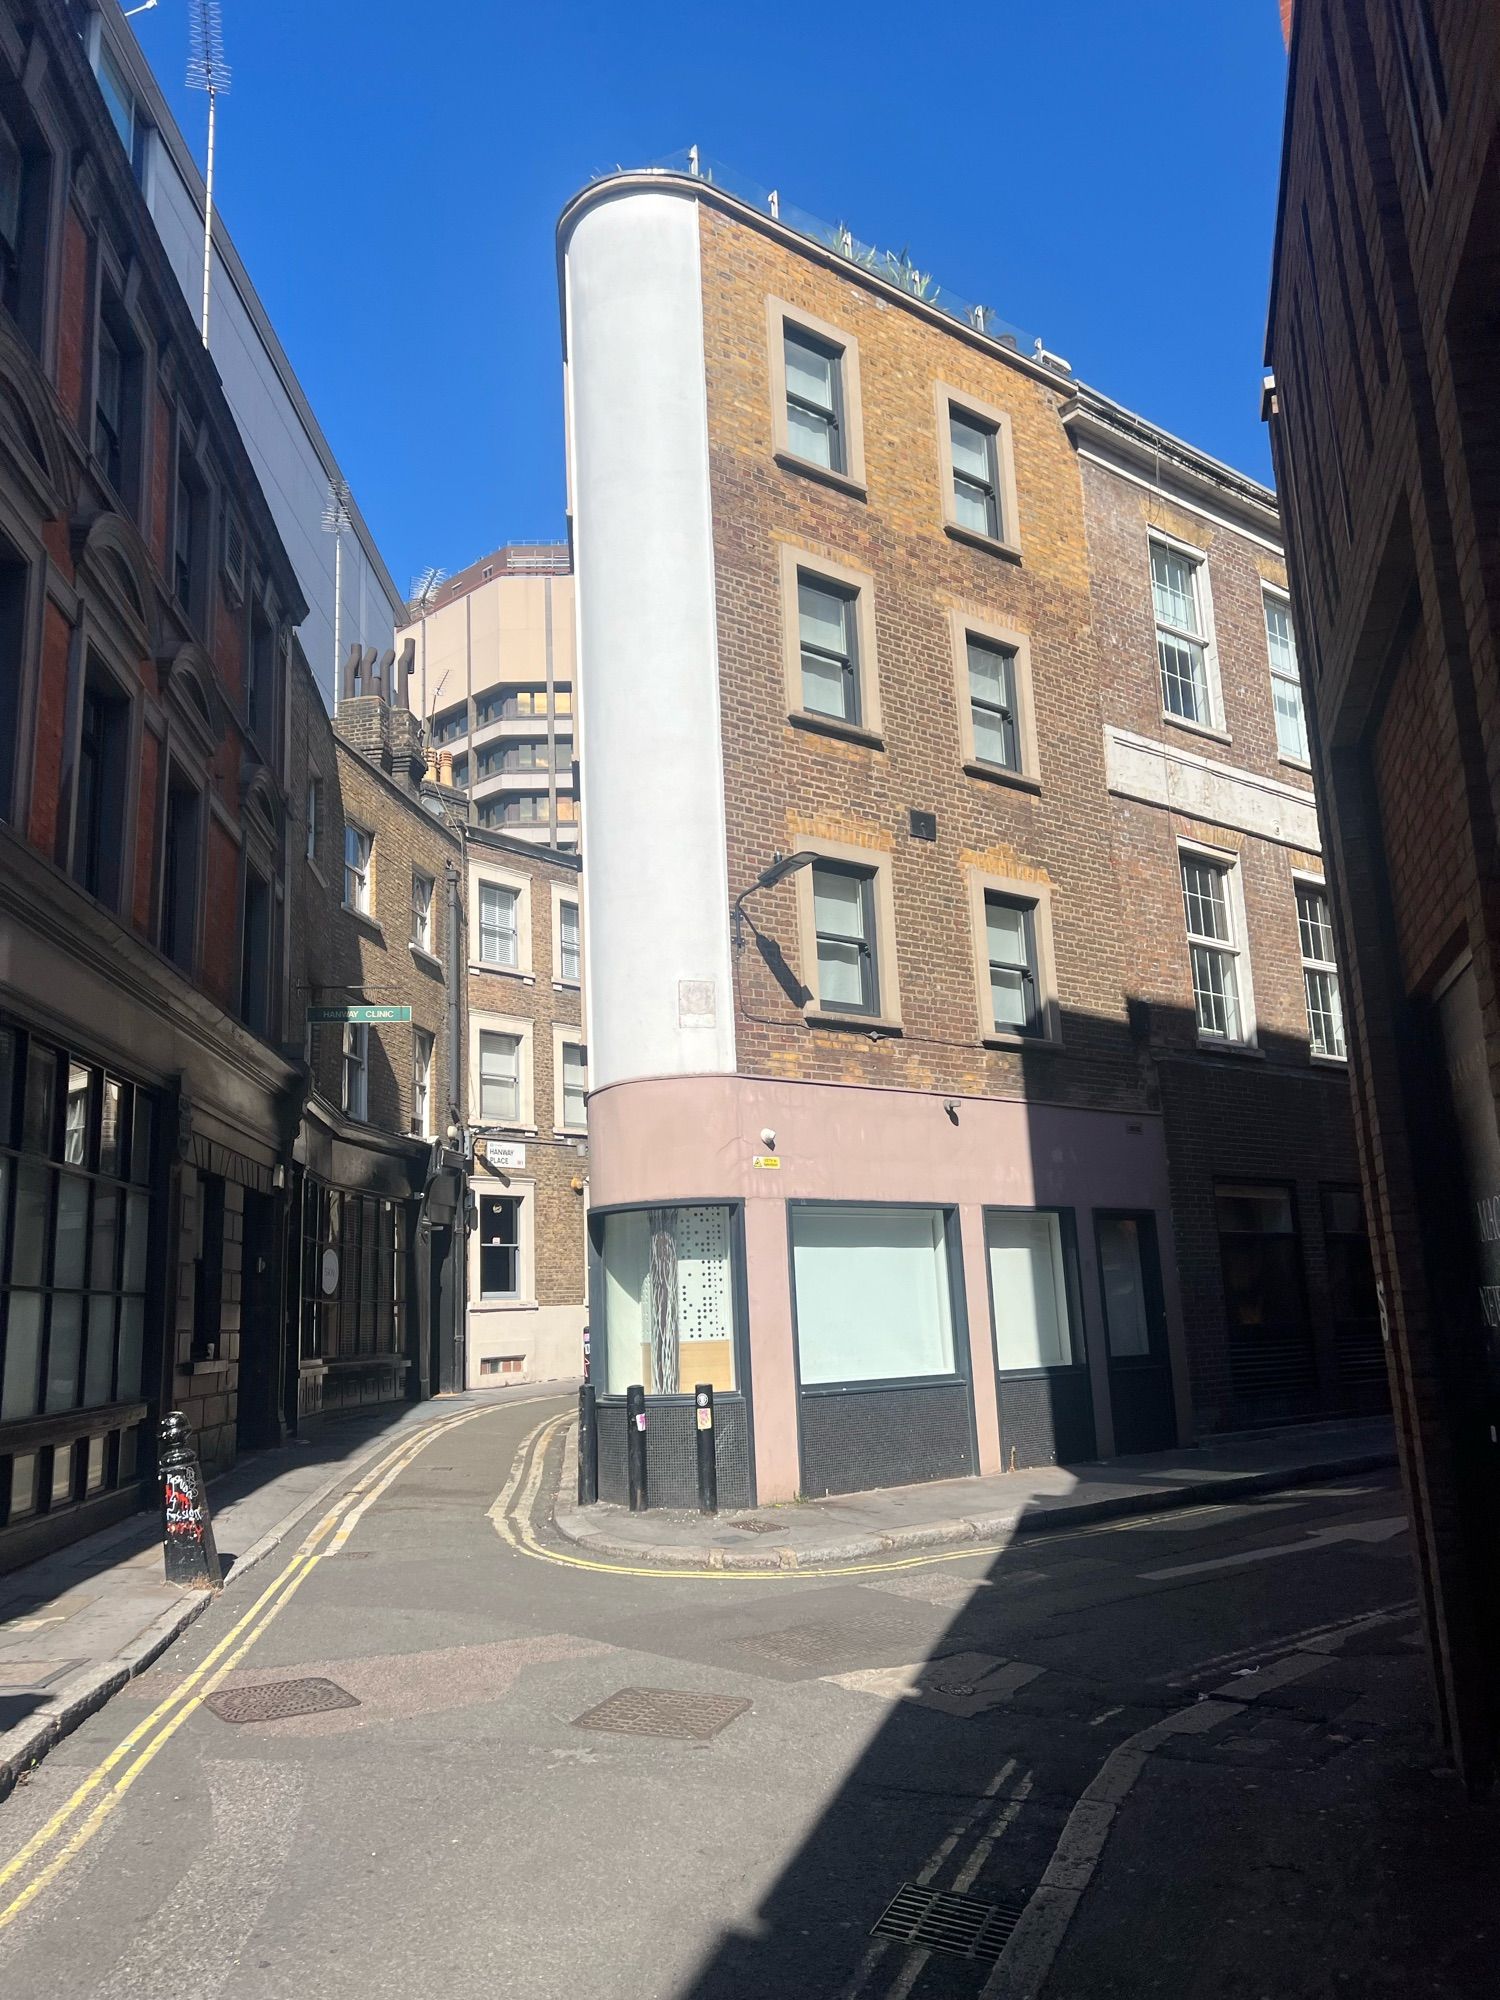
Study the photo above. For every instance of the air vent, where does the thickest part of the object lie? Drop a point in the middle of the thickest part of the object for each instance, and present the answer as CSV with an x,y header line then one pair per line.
x,y
923,825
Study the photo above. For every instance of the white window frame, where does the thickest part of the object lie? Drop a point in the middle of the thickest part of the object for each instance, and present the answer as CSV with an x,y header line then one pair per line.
x,y
1302,879
566,892
423,1043
314,805
1300,761
566,1035
482,871
524,1296
1227,861
363,903
482,1022
355,1069
1203,598
421,914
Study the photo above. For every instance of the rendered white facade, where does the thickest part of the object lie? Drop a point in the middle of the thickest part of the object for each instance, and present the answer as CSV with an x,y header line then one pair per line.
x,y
659,918
293,460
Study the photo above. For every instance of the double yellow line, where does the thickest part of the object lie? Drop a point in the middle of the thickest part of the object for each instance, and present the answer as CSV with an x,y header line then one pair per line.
x,y
511,1518
151,1735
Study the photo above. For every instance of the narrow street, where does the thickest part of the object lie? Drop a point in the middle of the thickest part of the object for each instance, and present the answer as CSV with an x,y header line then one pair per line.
x,y
455,1825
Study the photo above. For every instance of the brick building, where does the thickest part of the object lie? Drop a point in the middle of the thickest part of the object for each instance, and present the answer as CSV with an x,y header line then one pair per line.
x,y
147,1093
1207,764
527,1067
377,922
1385,351
881,1143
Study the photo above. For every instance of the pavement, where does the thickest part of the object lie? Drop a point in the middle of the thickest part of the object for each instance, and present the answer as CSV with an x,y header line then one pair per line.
x,y
1039,1500
430,1745
76,1626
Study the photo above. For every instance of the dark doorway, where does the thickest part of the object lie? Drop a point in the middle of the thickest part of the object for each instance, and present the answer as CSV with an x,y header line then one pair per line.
x,y
258,1416
1135,1329
442,1364
1272,1364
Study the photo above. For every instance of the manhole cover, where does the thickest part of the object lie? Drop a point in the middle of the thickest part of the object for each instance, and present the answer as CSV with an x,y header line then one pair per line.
x,y
825,1645
274,1701
35,1673
663,1712
933,1920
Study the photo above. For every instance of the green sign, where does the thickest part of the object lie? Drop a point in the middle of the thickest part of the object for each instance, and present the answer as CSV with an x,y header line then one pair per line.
x,y
359,1013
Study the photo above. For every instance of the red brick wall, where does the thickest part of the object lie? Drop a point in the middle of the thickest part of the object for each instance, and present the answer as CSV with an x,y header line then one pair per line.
x,y
52,710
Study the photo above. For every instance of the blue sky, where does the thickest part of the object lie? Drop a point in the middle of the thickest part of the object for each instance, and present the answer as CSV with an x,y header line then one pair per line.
x,y
1101,172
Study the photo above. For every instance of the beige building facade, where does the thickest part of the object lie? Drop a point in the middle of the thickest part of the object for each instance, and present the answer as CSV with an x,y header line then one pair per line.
x,y
492,679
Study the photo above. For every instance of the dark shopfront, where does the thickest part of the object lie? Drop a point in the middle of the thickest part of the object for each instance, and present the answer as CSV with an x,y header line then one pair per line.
x,y
81,1226
370,1214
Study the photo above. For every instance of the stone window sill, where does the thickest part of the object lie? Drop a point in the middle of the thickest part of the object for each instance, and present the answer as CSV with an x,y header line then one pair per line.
x,y
1197,728
502,971
1213,1046
996,774
830,725
1050,1043
809,468
427,958
363,918
877,1025
991,545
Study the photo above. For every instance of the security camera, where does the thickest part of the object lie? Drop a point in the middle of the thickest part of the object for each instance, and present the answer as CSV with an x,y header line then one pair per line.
x,y
768,1139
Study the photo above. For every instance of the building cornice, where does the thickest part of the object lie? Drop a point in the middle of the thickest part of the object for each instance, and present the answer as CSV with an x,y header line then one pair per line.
x,y
40,899
528,850
692,188
1146,450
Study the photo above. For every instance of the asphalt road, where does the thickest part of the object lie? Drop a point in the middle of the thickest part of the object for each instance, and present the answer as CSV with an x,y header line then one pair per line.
x,y
457,1828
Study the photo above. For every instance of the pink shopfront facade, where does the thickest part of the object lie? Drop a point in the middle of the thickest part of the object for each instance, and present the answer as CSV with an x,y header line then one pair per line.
x,y
882,1285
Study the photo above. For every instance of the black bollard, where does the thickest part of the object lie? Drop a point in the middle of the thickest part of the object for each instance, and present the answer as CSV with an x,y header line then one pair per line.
x,y
708,1465
186,1531
635,1447
588,1448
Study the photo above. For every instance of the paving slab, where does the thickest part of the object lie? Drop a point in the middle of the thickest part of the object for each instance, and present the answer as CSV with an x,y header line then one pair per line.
x,y
1001,1507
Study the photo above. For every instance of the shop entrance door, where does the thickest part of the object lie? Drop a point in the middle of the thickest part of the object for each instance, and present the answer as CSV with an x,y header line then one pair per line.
x,y
1135,1325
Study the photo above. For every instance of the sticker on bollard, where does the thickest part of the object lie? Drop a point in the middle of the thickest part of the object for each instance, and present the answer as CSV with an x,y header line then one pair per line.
x,y
190,1553
640,1420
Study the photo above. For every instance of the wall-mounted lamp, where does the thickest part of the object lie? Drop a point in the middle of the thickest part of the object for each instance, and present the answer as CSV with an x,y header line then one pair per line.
x,y
950,1105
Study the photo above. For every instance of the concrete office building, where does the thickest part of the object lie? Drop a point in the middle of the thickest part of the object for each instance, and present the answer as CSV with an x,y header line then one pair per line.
x,y
1384,346
293,460
966,888
493,679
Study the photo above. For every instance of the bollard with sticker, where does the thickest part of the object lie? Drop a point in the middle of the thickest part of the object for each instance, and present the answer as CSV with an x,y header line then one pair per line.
x,y
708,1467
187,1533
635,1447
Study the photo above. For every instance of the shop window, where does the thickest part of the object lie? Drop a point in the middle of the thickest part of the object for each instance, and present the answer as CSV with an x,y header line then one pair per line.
x,y
872,1293
356,1077
1029,1294
667,1276
75,1207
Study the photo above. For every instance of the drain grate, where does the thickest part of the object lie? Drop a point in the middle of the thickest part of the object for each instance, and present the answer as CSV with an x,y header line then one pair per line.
x,y
663,1712
935,1920
274,1701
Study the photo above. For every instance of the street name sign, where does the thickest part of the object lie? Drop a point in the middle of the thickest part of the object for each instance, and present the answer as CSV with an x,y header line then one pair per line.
x,y
358,1014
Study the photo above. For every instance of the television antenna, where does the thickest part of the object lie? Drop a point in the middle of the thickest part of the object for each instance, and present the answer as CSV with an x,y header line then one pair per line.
x,y
207,70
